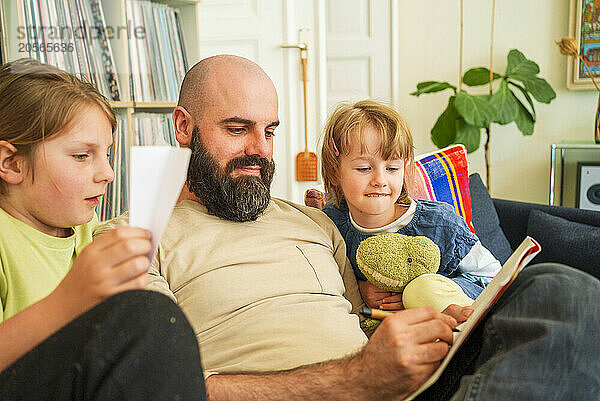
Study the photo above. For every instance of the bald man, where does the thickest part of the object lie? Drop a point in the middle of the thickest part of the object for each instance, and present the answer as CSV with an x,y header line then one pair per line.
x,y
272,298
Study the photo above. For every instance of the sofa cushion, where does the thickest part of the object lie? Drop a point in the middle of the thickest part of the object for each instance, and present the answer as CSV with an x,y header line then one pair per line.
x,y
485,220
564,241
514,216
443,176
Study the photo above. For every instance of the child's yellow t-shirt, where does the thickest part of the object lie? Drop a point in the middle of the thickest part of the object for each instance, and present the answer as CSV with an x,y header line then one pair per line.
x,y
33,263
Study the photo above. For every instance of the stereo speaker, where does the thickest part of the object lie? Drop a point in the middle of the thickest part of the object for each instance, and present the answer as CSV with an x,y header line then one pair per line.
x,y
588,185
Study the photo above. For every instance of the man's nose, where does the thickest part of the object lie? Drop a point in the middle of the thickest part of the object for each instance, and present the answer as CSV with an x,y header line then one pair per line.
x,y
257,144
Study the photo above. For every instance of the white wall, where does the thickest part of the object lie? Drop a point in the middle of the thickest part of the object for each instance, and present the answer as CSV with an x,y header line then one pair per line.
x,y
428,49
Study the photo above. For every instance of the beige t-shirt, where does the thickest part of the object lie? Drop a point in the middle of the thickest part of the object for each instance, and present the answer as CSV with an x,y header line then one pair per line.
x,y
267,295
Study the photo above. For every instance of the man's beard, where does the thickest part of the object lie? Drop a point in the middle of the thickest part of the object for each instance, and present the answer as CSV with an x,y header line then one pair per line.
x,y
242,198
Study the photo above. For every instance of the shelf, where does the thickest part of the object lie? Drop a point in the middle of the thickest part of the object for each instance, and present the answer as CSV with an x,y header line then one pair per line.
x,y
576,145
178,2
560,173
122,44
120,105
154,105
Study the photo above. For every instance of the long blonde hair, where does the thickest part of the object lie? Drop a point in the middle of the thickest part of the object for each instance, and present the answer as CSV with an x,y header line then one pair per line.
x,y
346,124
37,101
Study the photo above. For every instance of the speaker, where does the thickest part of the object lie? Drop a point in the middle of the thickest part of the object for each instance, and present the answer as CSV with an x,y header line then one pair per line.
x,y
588,185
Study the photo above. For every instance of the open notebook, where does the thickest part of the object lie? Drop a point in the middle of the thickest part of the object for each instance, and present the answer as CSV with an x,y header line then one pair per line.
x,y
519,259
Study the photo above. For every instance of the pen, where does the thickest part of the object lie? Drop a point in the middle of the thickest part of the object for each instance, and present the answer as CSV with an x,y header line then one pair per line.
x,y
375,313
381,314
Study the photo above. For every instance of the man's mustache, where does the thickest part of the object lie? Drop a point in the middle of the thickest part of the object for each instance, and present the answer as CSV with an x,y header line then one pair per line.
x,y
245,161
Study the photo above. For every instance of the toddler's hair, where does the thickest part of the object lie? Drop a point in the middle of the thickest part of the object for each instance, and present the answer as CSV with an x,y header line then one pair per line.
x,y
37,101
347,124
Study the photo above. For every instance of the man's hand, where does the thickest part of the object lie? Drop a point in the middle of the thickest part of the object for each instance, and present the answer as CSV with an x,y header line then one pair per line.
x,y
377,298
402,353
405,350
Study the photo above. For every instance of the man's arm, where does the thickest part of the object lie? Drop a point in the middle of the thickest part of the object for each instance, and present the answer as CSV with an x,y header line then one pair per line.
x,y
403,352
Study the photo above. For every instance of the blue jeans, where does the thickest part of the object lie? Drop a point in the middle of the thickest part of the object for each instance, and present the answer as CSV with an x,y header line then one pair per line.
x,y
539,342
471,289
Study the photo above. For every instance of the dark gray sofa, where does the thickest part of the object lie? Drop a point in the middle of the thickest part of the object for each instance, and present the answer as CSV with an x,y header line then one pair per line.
x,y
569,236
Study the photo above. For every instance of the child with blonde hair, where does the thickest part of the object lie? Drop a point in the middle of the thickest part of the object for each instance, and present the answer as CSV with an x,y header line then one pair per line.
x,y
64,332
367,157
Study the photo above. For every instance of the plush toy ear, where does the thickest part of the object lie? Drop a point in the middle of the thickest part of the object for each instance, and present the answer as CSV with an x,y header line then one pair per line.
x,y
11,165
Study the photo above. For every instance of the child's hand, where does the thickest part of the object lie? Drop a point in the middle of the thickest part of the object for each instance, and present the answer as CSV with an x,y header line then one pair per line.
x,y
114,262
460,313
377,298
314,198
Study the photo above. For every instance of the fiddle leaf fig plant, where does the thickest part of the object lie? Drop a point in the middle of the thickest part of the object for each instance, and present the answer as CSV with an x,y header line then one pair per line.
x,y
467,114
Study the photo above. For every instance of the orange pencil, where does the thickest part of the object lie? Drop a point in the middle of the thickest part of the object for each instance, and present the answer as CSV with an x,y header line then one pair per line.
x,y
382,314
375,313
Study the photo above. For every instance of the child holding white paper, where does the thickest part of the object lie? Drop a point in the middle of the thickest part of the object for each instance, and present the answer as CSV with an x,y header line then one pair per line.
x,y
55,135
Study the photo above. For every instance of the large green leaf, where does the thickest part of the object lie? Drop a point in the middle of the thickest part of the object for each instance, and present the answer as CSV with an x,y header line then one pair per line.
x,y
539,89
478,76
527,97
519,67
524,120
475,109
443,132
505,104
431,87
469,135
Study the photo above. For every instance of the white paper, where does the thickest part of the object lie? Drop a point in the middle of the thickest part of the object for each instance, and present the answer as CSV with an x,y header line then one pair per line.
x,y
156,177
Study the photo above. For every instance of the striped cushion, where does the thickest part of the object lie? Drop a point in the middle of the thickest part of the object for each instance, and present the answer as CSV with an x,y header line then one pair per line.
x,y
443,176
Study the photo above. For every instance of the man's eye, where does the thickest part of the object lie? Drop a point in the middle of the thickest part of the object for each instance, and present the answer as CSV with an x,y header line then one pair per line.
x,y
80,156
269,134
393,169
363,169
236,130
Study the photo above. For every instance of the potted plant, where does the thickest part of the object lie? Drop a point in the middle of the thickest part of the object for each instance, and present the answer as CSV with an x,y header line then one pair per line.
x,y
467,114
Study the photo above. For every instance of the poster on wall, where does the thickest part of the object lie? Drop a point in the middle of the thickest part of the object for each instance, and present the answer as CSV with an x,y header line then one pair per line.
x,y
584,26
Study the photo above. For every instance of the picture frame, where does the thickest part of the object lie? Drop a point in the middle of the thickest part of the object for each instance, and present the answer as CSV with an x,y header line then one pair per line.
x,y
584,26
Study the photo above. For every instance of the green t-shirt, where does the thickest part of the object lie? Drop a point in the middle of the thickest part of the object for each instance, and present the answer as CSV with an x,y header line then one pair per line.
x,y
33,263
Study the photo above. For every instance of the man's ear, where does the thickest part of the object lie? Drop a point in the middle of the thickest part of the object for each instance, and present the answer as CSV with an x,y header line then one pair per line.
x,y
11,165
184,126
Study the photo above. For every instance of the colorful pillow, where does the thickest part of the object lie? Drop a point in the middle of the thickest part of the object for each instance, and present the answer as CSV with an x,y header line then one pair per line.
x,y
443,176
